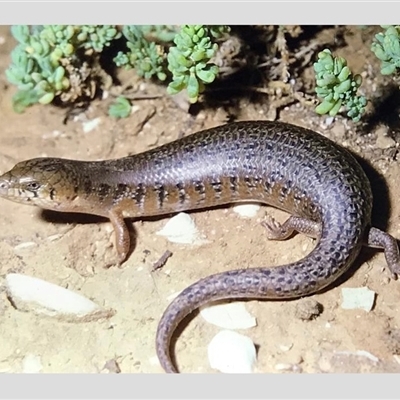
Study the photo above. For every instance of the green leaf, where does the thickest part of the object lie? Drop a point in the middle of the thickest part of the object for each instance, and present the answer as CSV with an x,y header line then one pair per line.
x,y
387,68
198,55
21,33
23,99
343,87
335,109
327,80
162,76
324,107
178,84
207,76
47,98
193,87
121,108
344,74
380,53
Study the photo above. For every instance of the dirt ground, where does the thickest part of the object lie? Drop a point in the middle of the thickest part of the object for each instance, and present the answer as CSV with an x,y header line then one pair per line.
x,y
69,250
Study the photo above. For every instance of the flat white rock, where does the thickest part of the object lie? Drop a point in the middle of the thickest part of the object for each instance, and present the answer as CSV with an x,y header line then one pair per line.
x,y
246,210
231,352
31,364
228,315
33,294
181,229
358,298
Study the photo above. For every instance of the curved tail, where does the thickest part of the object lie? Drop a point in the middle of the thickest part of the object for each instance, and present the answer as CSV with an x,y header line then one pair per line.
x,y
307,276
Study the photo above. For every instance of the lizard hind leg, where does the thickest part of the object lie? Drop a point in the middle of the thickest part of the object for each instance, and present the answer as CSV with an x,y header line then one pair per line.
x,y
379,239
278,231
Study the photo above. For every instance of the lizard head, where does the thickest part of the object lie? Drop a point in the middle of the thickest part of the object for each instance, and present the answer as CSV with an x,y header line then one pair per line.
x,y
40,181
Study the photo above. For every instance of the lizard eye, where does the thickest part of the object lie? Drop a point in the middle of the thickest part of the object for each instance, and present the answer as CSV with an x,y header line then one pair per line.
x,y
32,186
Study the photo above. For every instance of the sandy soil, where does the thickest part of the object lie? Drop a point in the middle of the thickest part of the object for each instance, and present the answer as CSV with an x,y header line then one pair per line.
x,y
70,250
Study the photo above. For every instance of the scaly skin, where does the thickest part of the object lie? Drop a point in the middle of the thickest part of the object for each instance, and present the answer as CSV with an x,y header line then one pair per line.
x,y
292,168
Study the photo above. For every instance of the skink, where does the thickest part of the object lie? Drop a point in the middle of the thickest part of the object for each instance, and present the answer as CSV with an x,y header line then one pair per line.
x,y
295,169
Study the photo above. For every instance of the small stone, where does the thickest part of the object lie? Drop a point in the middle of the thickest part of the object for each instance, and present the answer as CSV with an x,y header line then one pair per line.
x,y
289,367
329,121
154,360
32,364
325,363
182,229
24,245
283,367
112,367
231,352
28,293
285,347
359,353
88,126
358,298
392,341
246,210
228,315
55,237
308,309
383,141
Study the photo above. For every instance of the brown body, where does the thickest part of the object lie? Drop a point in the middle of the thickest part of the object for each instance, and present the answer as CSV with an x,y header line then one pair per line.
x,y
291,168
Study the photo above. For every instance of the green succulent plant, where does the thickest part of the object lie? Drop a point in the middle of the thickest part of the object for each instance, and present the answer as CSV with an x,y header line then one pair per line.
x,y
160,33
386,47
189,60
38,62
185,52
337,87
145,56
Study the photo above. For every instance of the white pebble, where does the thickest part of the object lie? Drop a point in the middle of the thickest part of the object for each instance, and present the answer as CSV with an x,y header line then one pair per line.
x,y
286,367
228,315
285,347
90,125
181,229
246,210
359,353
231,352
358,298
329,121
31,364
24,245
135,109
53,238
32,294
154,360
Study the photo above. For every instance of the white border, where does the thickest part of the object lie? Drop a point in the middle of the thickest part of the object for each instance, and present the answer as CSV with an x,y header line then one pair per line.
x,y
197,386
192,12
186,386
